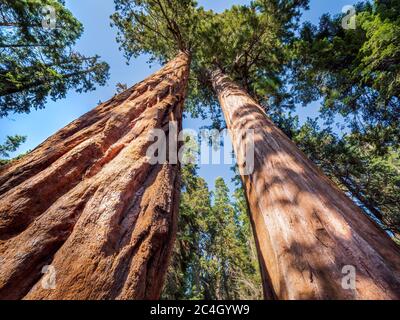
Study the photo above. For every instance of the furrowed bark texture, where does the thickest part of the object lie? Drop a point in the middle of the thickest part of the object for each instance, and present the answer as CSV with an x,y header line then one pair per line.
x,y
307,230
88,203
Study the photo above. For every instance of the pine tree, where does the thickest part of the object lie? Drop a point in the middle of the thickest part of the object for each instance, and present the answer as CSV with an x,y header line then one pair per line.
x,y
11,144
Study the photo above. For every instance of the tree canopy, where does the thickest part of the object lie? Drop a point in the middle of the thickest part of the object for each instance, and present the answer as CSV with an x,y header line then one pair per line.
x,y
11,144
248,42
355,71
36,61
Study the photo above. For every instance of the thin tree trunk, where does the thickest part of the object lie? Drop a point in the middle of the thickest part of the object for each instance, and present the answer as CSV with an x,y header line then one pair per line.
x,y
368,206
88,203
365,202
306,229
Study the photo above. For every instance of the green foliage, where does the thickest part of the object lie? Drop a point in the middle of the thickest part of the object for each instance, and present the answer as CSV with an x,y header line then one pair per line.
x,y
248,42
159,27
380,53
183,281
36,62
11,144
214,255
356,72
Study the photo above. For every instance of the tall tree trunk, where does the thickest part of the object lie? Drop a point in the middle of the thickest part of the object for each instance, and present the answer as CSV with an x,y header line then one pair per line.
x,y
307,230
87,202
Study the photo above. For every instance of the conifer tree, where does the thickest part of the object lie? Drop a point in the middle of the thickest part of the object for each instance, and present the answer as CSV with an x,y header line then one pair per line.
x,y
36,58
213,257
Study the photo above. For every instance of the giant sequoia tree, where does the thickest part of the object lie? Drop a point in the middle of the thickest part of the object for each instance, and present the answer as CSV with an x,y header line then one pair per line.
x,y
307,230
105,219
323,229
100,212
88,202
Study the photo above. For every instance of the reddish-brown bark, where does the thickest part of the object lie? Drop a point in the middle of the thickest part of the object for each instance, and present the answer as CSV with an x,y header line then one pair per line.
x,y
88,203
306,229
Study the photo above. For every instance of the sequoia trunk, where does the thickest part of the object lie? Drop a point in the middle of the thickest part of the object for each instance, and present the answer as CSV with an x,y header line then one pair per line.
x,y
85,215
307,230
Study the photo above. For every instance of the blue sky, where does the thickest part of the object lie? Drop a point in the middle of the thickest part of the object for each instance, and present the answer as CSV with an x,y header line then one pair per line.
x,y
99,38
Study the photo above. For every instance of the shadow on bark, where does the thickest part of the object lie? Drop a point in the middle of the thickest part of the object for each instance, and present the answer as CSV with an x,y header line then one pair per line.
x,y
87,201
306,228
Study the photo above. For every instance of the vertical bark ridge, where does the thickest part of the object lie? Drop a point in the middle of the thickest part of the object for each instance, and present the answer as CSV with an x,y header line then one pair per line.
x,y
99,213
73,134
64,173
306,228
